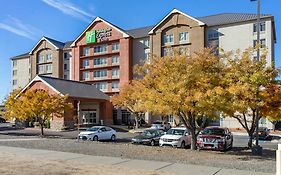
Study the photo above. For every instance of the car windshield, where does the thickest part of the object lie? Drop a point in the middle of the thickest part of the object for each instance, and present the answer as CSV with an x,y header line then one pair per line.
x,y
148,133
213,131
157,122
93,129
175,131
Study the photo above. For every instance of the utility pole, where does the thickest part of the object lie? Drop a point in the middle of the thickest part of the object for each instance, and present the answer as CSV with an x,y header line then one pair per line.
x,y
257,149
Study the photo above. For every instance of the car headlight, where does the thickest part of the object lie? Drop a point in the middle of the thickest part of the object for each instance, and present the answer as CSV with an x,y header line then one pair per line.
x,y
146,140
221,140
161,139
176,139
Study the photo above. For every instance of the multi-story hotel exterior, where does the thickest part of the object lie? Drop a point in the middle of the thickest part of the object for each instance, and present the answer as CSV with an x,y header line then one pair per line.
x,y
104,55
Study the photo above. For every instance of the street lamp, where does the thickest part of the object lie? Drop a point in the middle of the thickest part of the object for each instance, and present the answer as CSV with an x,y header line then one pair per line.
x,y
257,149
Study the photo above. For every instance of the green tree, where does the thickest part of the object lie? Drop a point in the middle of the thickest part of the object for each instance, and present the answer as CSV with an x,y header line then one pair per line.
x,y
37,104
186,86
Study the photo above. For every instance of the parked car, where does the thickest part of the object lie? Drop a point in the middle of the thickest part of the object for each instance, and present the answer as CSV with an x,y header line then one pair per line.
x,y
148,137
176,137
97,133
2,120
215,138
163,125
264,133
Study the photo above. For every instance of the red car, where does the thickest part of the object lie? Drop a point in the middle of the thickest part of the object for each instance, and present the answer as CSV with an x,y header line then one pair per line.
x,y
215,138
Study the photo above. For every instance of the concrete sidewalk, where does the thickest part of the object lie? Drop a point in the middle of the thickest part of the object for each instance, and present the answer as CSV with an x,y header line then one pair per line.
x,y
155,166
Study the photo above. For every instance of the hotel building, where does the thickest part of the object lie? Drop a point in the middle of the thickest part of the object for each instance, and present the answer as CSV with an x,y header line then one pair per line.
x,y
103,55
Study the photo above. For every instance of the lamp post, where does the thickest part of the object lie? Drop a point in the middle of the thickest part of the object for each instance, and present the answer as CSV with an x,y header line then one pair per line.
x,y
257,149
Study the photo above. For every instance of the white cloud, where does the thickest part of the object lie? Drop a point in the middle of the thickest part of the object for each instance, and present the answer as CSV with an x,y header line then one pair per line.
x,y
70,9
17,27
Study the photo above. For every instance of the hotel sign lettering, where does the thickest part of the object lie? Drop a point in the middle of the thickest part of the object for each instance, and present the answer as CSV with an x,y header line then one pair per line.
x,y
98,35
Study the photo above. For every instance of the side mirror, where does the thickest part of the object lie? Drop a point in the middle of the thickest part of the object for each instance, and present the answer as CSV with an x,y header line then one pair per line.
x,y
165,132
99,131
186,134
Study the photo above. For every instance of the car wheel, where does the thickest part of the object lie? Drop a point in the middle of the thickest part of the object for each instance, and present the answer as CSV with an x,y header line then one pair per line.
x,y
152,143
113,137
95,138
183,144
231,145
224,147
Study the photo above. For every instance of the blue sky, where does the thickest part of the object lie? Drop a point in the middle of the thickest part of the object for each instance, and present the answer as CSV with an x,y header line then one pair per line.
x,y
23,23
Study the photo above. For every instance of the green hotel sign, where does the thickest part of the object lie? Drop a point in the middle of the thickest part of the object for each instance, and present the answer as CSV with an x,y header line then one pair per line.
x,y
98,35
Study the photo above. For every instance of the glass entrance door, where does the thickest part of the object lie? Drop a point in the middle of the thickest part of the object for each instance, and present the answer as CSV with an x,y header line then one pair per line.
x,y
89,117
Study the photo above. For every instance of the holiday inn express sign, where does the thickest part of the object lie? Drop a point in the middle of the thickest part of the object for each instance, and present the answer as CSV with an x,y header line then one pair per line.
x,y
94,36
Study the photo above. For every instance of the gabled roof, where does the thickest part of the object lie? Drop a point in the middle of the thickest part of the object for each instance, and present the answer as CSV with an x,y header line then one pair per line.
x,y
173,12
55,43
108,23
25,55
139,32
229,18
67,44
72,88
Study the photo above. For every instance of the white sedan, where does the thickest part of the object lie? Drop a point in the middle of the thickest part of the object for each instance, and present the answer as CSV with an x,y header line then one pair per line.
x,y
97,133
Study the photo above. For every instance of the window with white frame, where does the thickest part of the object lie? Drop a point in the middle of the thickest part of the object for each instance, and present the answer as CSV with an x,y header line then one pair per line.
x,y
115,59
146,43
15,82
115,73
100,61
213,35
115,47
100,49
86,51
115,85
41,69
49,57
15,72
184,37
15,63
262,43
101,86
86,75
262,27
169,39
86,63
167,51
65,55
100,73
41,59
49,68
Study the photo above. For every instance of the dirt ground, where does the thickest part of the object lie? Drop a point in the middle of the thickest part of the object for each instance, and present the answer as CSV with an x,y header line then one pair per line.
x,y
19,165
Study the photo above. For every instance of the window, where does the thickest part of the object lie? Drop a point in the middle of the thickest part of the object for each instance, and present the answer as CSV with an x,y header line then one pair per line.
x,y
65,66
65,77
101,86
115,47
15,63
41,59
146,42
86,63
48,68
115,85
86,75
86,51
183,37
65,55
262,43
15,72
41,69
100,61
213,35
100,73
15,82
146,56
49,57
169,39
100,49
167,51
115,72
262,27
115,59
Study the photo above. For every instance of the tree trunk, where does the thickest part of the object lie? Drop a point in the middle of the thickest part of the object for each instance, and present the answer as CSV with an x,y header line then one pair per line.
x,y
42,129
136,121
193,140
250,141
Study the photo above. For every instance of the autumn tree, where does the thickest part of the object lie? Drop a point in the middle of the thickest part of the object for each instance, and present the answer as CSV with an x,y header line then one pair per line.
x,y
129,98
186,86
246,81
37,104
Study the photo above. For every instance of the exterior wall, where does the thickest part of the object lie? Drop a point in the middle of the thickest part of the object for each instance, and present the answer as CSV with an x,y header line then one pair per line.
x,y
233,123
66,64
57,62
124,53
241,36
175,24
22,75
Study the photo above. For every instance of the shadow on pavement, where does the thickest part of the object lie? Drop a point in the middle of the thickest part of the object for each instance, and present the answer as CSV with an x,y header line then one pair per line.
x,y
268,154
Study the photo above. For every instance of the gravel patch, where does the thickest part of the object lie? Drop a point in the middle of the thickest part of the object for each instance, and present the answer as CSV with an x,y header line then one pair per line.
x,y
236,159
